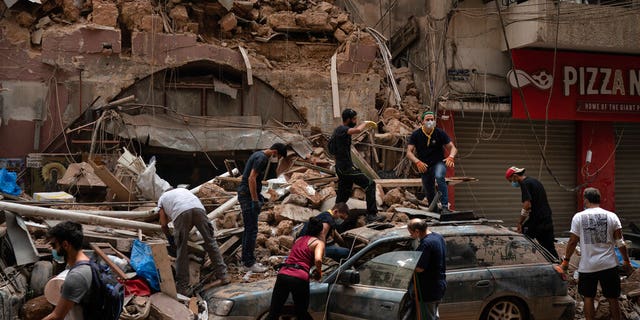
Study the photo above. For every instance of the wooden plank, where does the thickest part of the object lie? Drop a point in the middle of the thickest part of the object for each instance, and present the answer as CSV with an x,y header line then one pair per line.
x,y
163,266
228,244
417,182
108,261
120,190
362,164
335,93
314,167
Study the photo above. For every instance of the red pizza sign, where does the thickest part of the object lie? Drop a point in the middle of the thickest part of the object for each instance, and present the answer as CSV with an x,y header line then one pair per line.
x,y
585,86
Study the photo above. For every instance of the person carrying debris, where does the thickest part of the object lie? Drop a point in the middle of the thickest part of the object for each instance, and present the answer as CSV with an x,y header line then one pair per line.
x,y
535,215
185,210
65,239
293,276
597,230
347,173
426,150
429,281
330,236
251,201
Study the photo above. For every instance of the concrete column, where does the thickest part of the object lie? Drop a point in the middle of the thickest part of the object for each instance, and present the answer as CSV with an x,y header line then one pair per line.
x,y
599,137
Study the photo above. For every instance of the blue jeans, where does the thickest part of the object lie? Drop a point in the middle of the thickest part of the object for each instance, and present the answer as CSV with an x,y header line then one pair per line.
x,y
336,252
436,172
250,220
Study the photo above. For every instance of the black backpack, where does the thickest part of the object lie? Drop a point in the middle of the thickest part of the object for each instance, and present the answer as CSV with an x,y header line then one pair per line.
x,y
332,145
106,297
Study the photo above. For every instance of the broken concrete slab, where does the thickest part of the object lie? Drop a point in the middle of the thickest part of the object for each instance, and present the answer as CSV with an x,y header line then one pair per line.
x,y
164,307
228,22
295,213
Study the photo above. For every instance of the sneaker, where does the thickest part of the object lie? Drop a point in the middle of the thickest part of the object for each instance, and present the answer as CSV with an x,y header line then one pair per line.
x,y
257,268
374,218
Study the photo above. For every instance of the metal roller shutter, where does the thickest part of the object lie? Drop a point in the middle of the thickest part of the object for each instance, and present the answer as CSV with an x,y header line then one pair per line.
x,y
489,145
627,173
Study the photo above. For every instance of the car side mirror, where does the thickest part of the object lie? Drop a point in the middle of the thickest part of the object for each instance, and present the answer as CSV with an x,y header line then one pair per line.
x,y
349,277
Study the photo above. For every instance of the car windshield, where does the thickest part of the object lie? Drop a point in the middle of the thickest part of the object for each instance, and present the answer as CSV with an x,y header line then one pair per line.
x,y
490,250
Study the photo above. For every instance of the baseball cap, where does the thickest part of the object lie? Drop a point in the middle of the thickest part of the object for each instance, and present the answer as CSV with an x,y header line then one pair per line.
x,y
513,170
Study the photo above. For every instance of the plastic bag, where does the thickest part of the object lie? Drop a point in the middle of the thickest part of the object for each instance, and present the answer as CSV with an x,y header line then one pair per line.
x,y
8,183
151,186
142,262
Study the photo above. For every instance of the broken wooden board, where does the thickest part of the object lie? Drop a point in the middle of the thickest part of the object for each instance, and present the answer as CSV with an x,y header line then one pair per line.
x,y
163,266
314,167
417,182
122,193
164,307
228,244
360,163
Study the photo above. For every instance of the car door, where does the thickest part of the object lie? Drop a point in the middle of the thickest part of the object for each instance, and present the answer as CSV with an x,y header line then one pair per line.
x,y
384,279
469,282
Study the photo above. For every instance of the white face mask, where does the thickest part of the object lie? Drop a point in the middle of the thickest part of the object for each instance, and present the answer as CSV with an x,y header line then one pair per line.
x,y
430,124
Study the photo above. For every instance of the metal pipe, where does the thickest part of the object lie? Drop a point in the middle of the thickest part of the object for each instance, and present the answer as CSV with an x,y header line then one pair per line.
x,y
120,214
30,211
223,208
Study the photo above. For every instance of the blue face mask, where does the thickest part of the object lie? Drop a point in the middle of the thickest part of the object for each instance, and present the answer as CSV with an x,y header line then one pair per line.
x,y
515,184
58,258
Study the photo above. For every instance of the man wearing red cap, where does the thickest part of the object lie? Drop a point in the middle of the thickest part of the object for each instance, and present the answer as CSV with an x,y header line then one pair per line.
x,y
535,216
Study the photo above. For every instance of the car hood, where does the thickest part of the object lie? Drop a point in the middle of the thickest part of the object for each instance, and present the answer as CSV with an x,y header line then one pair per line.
x,y
240,289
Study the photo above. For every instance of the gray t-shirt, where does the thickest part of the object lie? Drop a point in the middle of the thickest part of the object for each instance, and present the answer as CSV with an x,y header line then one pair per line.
x,y
75,288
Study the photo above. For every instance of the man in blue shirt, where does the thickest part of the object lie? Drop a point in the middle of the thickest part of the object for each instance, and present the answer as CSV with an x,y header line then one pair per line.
x,y
251,201
428,143
429,282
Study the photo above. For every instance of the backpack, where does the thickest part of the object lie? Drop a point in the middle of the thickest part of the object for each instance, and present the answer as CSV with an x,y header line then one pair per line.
x,y
332,145
106,296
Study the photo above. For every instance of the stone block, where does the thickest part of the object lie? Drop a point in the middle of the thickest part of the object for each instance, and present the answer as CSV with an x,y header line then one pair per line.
x,y
314,21
105,13
228,22
36,308
282,21
164,307
355,67
340,35
285,227
25,19
179,14
133,12
151,23
63,45
71,12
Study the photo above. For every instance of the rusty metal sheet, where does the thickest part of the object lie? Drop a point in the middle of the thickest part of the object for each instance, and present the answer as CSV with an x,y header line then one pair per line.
x,y
23,248
82,175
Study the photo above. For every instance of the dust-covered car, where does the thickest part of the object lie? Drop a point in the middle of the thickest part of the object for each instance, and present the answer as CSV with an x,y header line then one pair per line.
x,y
492,273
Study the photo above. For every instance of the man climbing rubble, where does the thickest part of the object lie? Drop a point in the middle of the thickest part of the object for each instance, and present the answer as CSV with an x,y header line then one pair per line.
x,y
65,239
331,219
185,210
426,150
251,202
347,173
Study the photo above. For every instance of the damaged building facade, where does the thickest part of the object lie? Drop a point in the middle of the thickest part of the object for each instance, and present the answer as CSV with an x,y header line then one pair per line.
x,y
200,82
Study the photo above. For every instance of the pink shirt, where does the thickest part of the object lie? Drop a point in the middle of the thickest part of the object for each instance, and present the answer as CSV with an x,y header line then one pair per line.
x,y
302,255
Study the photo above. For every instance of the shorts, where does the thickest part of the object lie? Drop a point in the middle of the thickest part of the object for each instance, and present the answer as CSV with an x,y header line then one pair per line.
x,y
609,282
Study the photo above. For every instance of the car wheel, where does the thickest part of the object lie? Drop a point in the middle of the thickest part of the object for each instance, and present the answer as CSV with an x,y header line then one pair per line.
x,y
505,309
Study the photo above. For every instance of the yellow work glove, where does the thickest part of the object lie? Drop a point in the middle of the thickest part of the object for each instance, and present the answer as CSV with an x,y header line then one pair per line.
x,y
371,125
422,167
449,162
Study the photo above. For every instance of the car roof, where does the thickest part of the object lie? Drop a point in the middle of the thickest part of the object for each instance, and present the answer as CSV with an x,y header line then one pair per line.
x,y
378,231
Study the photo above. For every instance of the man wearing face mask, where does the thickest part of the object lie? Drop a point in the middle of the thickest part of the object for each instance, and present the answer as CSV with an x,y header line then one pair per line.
x,y
535,215
332,220
347,173
426,150
65,239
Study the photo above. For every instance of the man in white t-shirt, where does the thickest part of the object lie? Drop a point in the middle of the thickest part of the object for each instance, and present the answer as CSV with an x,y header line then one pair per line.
x,y
186,211
597,230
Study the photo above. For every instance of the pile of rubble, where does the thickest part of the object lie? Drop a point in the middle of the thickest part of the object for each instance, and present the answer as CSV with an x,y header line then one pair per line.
x,y
305,188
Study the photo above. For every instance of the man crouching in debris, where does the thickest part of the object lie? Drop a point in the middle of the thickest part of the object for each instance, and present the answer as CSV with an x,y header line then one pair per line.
x,y
251,202
597,230
347,173
186,211
65,239
429,281
330,220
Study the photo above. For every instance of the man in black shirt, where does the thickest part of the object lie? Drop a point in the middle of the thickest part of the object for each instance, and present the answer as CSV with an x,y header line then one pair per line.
x,y
251,201
535,215
347,173
331,220
428,143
